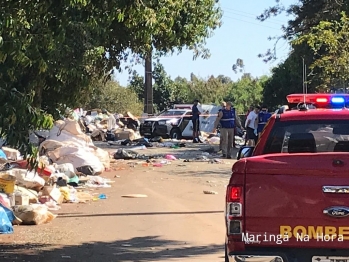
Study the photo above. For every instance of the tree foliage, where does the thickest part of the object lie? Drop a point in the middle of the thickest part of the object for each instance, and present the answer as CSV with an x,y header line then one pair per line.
x,y
329,43
304,14
316,32
212,90
114,98
238,66
51,52
247,91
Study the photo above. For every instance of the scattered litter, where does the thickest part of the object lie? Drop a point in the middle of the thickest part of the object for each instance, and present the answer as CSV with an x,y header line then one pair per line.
x,y
102,196
216,161
170,157
209,192
135,196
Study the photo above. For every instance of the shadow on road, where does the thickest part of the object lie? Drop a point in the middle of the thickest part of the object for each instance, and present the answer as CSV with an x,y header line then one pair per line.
x,y
138,249
66,215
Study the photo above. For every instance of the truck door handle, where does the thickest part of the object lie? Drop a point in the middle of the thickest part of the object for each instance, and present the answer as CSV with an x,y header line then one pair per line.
x,y
336,189
337,162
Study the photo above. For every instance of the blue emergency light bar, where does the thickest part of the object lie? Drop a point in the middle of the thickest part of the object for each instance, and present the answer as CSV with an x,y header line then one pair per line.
x,y
337,100
320,100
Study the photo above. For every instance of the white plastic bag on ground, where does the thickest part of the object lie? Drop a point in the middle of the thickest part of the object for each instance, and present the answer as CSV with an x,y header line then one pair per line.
x,y
77,157
64,136
214,140
49,145
67,169
35,214
72,126
27,179
111,122
102,155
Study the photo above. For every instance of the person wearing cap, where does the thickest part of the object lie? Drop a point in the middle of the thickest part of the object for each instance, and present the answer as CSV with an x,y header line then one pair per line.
x,y
263,118
196,121
228,120
251,125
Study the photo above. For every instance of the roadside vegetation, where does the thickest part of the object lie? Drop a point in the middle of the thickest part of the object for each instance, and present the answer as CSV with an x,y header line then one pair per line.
x,y
62,54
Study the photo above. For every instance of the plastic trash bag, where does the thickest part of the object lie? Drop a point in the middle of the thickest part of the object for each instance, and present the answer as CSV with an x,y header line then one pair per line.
x,y
2,154
28,179
170,157
67,169
125,154
86,170
6,218
35,214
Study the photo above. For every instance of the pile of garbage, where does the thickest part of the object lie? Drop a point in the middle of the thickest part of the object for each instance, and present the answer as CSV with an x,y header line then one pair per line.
x,y
68,165
103,125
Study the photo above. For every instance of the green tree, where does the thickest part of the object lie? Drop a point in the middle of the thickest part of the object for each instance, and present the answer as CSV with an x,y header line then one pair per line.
x,y
306,17
246,91
331,36
163,88
51,52
181,92
136,84
115,98
304,14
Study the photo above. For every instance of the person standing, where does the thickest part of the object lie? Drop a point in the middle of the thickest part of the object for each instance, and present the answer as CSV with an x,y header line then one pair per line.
x,y
228,119
250,109
251,126
263,118
224,104
195,112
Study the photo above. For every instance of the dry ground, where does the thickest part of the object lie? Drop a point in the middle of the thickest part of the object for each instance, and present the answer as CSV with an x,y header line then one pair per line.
x,y
176,222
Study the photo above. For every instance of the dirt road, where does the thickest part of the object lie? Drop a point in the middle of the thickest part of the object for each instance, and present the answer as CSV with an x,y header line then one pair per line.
x,y
175,222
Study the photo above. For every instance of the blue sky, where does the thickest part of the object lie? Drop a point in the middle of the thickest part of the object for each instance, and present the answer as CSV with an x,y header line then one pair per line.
x,y
240,36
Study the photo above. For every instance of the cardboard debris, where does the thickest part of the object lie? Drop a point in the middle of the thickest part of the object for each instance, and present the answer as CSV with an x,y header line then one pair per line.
x,y
122,134
134,196
54,193
209,192
11,154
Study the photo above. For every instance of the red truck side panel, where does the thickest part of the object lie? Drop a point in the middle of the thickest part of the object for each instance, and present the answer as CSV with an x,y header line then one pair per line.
x,y
284,196
235,243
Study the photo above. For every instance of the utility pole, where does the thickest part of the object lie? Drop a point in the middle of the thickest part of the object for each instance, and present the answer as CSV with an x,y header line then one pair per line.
x,y
148,84
303,67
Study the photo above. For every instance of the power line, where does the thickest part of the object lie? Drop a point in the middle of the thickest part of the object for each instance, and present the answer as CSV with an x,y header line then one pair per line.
x,y
236,13
251,22
251,14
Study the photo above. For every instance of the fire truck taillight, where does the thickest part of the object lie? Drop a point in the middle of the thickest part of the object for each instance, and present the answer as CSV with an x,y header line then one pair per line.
x,y
234,193
234,210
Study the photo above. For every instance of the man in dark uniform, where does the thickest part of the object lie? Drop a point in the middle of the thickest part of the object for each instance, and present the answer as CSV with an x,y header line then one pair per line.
x,y
224,104
263,118
196,122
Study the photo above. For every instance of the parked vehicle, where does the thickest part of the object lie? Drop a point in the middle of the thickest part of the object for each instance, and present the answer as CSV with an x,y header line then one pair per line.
x,y
288,197
176,123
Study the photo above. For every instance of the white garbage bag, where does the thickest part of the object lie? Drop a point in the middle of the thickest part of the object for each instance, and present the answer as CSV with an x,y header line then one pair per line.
x,y
67,169
27,179
77,157
63,136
